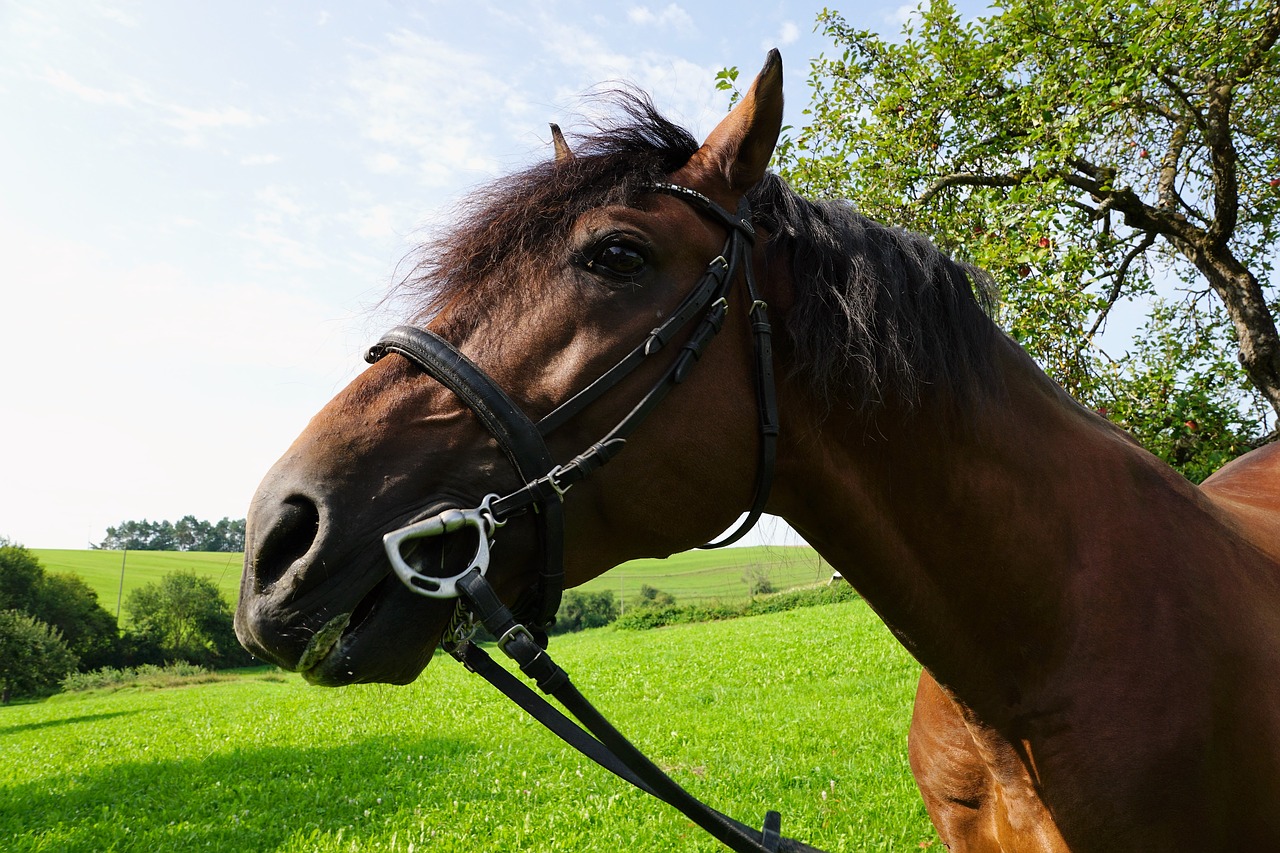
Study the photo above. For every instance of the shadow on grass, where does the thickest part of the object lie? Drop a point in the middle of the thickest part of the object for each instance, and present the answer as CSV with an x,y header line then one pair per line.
x,y
247,800
46,724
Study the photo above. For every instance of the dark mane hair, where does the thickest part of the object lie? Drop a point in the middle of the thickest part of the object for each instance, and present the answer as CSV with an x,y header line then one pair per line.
x,y
880,312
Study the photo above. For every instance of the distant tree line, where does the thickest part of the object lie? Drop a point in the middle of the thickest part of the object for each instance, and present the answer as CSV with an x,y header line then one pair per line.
x,y
51,624
186,534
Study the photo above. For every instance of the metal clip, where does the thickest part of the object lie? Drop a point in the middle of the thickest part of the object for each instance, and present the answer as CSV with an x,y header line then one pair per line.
x,y
450,521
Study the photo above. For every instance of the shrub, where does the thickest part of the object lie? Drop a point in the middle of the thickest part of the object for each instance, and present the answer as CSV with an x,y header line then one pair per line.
x,y
33,658
146,674
649,596
657,617
580,610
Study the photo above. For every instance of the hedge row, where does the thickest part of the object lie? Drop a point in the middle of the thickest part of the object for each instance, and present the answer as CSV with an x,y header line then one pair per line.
x,y
656,617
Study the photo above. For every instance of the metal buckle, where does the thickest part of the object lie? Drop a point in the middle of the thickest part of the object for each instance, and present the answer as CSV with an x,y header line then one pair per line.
x,y
514,633
554,483
449,521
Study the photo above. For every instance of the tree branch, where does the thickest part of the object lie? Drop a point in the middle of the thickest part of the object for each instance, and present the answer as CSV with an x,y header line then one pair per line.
x,y
1117,283
971,179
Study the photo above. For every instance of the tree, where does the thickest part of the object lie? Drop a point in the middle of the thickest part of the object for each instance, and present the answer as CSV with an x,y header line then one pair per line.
x,y
185,616
186,534
33,658
1080,151
582,609
651,596
62,601
20,575
69,605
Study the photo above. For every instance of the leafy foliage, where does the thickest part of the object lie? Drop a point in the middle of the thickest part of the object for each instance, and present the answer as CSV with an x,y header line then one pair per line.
x,y
148,675
33,658
651,596
64,602
71,606
582,609
1082,152
672,614
186,534
20,576
186,618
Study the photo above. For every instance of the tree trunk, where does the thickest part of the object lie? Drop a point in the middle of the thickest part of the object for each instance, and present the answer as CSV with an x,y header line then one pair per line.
x,y
1255,327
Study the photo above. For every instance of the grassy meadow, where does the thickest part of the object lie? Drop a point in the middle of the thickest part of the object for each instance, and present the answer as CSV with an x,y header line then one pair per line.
x,y
694,577
804,711
101,569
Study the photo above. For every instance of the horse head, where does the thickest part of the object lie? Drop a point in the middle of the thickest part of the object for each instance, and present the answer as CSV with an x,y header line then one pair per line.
x,y
550,280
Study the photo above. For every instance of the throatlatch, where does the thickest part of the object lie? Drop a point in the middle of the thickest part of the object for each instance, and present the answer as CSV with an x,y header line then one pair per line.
x,y
521,634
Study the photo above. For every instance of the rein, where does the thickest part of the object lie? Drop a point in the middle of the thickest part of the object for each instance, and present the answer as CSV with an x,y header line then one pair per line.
x,y
521,635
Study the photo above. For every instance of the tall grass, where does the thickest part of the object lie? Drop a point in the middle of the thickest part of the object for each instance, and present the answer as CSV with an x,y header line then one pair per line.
x,y
805,711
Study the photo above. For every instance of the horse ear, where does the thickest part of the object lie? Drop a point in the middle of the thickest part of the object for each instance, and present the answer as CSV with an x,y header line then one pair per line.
x,y
741,145
563,153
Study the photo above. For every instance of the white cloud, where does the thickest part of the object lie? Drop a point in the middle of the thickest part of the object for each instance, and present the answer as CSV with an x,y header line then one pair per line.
x,y
789,34
420,100
195,124
671,17
64,82
259,159
383,163
903,15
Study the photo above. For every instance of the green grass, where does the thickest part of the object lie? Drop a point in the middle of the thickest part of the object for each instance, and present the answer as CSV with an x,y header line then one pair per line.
x,y
695,577
699,577
804,711
101,569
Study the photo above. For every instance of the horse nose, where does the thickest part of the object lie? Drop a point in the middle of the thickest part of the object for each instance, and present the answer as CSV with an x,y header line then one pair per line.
x,y
281,532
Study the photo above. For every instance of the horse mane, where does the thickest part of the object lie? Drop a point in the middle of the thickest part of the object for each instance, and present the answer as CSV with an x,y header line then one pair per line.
x,y
880,312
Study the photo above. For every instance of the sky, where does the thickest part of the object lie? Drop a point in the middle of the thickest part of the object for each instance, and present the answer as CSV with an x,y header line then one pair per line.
x,y
201,205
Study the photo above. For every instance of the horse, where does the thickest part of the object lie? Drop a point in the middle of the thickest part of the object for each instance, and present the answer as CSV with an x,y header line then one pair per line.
x,y
1099,637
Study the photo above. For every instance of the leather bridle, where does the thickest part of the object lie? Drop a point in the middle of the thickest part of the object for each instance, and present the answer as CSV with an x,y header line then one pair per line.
x,y
521,635
523,442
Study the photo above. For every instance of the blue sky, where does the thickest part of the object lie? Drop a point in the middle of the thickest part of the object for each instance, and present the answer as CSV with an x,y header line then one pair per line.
x,y
201,204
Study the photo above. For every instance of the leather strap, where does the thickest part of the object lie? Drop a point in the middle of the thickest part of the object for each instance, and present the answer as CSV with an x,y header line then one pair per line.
x,y
600,741
515,433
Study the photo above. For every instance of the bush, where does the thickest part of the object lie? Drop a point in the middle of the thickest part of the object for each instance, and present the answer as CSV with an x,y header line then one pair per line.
x,y
649,596
145,674
185,617
61,601
758,581
33,658
657,617
580,610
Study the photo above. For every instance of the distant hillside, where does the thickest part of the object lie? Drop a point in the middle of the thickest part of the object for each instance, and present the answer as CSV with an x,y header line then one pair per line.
x,y
101,569
692,577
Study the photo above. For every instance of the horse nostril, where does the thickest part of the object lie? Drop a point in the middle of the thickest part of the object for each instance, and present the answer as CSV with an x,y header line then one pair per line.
x,y
288,538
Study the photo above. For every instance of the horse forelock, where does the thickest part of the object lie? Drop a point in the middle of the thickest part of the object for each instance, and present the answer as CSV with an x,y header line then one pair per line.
x,y
880,313
507,237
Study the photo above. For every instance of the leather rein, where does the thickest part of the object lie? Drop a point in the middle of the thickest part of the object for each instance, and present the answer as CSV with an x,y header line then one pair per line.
x,y
522,634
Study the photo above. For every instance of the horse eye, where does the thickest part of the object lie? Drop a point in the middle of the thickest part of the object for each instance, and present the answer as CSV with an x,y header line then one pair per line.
x,y
617,261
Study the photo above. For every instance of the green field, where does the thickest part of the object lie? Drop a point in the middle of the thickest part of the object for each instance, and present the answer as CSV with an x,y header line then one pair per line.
x,y
693,577
102,569
804,711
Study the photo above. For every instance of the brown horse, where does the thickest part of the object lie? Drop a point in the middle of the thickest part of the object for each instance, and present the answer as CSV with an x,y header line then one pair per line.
x,y
1100,637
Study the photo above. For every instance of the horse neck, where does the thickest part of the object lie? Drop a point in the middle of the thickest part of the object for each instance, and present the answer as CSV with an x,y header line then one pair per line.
x,y
969,530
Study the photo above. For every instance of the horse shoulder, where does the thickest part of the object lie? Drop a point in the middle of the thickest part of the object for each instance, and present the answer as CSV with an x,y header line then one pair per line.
x,y
976,789
1247,491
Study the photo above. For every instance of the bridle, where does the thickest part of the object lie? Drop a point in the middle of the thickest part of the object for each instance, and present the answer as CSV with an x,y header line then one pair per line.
x,y
522,634
523,442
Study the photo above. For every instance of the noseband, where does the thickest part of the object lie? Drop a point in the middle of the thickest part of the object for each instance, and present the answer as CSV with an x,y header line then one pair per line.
x,y
545,482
